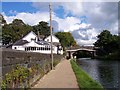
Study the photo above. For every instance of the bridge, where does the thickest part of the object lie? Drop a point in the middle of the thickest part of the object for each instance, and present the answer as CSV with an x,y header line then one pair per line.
x,y
71,51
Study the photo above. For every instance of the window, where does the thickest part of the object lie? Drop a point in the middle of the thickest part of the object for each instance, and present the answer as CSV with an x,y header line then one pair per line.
x,y
25,49
28,48
48,48
37,48
34,48
48,40
45,47
41,48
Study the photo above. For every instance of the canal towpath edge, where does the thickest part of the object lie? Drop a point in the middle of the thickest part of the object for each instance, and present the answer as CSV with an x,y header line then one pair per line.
x,y
62,77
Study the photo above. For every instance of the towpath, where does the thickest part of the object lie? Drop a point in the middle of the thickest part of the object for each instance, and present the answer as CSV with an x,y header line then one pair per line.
x,y
62,77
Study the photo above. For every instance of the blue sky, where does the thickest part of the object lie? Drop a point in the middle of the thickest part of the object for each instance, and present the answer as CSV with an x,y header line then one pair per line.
x,y
17,6
84,20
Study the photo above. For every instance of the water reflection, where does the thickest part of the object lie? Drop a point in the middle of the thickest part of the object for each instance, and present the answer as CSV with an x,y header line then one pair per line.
x,y
105,72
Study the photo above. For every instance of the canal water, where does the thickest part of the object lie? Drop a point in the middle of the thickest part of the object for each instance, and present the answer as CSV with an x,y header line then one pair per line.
x,y
105,72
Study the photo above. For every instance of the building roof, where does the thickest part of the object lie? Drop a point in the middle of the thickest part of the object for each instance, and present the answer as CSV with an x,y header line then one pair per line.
x,y
41,37
56,43
21,42
28,34
42,43
52,35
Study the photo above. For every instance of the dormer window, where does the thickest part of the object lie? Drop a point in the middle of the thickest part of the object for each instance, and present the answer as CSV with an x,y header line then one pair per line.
x,y
32,39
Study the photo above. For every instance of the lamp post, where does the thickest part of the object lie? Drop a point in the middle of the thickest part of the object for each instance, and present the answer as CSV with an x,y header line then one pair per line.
x,y
51,34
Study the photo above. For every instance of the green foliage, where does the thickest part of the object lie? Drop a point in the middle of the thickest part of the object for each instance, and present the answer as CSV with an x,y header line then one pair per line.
x,y
17,29
2,20
107,43
43,28
85,82
103,38
21,75
66,39
17,75
18,22
14,31
4,85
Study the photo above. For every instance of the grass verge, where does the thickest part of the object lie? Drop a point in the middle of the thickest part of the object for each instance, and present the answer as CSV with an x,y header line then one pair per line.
x,y
85,82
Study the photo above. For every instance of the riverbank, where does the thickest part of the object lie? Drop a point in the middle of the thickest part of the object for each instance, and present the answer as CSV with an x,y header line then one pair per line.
x,y
83,79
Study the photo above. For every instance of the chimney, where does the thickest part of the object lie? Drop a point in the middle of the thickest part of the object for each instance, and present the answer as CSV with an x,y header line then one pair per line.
x,y
38,35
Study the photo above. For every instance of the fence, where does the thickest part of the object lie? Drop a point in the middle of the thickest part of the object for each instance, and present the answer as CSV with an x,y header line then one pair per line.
x,y
26,65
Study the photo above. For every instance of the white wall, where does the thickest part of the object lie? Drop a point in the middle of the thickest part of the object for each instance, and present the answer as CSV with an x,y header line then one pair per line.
x,y
18,48
39,51
43,51
55,50
33,44
54,39
30,36
60,52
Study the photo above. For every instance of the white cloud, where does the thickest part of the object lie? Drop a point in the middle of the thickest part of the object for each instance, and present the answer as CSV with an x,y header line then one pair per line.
x,y
85,42
99,16
86,35
13,12
29,18
67,24
75,8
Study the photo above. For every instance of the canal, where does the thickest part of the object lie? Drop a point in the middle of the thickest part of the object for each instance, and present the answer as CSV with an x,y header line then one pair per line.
x,y
105,72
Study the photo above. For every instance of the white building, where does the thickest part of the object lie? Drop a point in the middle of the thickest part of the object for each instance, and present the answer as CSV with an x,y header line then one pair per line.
x,y
54,39
58,48
30,43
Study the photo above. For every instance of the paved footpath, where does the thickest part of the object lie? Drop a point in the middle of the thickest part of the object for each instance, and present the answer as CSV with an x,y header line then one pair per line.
x,y
62,77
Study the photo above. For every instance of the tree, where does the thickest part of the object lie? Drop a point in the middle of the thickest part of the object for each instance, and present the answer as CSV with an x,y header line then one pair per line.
x,y
18,22
103,38
2,20
14,31
43,28
107,42
17,29
66,39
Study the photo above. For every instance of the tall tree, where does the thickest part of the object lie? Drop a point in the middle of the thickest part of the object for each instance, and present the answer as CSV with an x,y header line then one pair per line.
x,y
107,42
43,28
66,39
14,31
103,38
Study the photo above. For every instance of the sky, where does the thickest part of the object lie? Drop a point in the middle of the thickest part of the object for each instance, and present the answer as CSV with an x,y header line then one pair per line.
x,y
85,20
